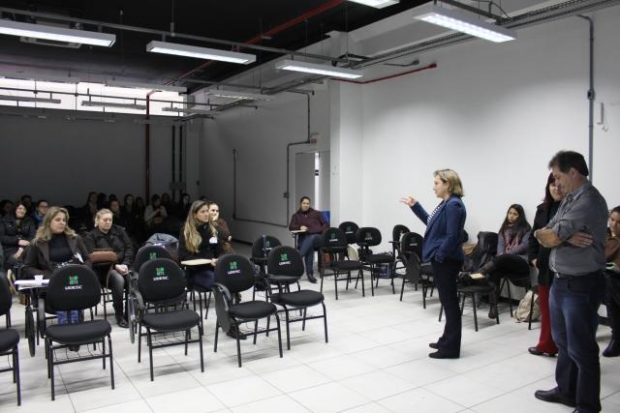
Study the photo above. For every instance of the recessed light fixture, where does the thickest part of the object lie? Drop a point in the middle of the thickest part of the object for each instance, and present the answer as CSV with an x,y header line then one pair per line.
x,y
465,22
377,4
200,52
59,34
318,69
29,99
151,86
232,94
122,105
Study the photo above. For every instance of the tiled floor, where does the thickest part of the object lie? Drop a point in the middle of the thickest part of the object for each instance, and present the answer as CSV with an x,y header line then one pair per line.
x,y
376,361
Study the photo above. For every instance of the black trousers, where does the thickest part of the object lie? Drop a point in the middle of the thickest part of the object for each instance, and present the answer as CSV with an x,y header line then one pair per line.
x,y
445,276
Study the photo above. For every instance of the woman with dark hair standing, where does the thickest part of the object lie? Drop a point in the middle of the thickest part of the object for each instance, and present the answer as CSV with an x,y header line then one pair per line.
x,y
612,279
443,249
538,256
511,259
310,224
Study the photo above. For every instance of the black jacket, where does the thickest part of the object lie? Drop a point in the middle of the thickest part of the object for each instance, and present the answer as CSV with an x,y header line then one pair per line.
x,y
537,251
11,233
38,261
116,239
206,250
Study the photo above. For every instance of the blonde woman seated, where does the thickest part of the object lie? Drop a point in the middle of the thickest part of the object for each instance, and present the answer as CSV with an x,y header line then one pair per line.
x,y
54,246
200,238
107,235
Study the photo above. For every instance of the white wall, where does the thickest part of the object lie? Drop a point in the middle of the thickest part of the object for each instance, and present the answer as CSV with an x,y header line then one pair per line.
x,y
260,137
494,113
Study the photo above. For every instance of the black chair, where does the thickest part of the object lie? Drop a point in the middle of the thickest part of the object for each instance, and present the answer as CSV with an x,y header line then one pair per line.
x,y
75,287
335,244
286,261
261,247
367,237
521,282
350,231
416,272
397,232
474,291
234,274
9,338
162,308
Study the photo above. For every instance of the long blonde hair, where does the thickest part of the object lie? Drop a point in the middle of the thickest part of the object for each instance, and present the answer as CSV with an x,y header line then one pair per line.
x,y
190,229
44,233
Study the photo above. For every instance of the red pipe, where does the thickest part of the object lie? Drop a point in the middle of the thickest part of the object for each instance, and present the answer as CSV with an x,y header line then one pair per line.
x,y
276,30
420,69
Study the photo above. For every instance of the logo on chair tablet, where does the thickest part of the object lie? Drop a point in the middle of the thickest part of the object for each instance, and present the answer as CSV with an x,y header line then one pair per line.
x,y
284,259
233,268
160,274
74,283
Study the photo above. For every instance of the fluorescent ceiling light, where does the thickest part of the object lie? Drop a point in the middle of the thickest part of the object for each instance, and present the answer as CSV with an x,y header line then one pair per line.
x,y
29,99
58,34
377,4
196,111
138,85
318,69
232,94
200,52
39,77
468,23
113,105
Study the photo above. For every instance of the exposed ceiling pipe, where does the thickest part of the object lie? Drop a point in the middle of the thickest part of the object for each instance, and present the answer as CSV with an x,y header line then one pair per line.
x,y
272,32
420,69
176,35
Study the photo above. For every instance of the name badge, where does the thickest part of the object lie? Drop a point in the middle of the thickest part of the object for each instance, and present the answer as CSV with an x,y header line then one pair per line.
x,y
213,240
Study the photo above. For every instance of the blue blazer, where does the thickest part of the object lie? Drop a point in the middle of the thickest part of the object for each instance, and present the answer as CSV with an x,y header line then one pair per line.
x,y
443,238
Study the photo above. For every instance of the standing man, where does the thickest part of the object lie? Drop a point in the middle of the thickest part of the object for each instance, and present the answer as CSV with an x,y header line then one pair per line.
x,y
577,237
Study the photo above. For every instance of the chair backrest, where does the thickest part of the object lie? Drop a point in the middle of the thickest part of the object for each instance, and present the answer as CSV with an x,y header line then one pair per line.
x,y
150,252
161,279
368,236
6,299
73,287
398,232
350,229
285,260
262,246
234,272
334,240
486,248
411,243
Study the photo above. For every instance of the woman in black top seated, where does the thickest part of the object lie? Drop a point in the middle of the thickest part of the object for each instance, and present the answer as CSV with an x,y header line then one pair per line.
x,y
17,229
55,245
200,238
511,259
111,236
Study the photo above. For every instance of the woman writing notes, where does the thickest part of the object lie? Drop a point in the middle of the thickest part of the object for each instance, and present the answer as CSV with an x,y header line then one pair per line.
x,y
442,248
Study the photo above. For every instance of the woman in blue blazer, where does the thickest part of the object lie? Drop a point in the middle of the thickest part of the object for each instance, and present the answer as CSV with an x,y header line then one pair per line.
x,y
443,249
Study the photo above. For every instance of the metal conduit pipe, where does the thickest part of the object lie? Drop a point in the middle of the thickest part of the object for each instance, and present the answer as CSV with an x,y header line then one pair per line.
x,y
591,97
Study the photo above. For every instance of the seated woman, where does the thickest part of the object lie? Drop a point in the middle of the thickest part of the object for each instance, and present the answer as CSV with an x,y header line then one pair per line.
x,y
111,236
55,245
312,224
200,238
155,213
612,278
222,227
538,256
511,259
17,229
